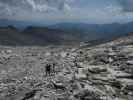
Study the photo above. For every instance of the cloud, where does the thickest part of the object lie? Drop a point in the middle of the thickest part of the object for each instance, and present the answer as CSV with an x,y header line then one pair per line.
x,y
12,7
127,5
63,10
5,11
113,10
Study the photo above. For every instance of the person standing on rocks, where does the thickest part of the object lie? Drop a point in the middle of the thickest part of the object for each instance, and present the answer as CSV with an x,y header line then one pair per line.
x,y
48,69
53,66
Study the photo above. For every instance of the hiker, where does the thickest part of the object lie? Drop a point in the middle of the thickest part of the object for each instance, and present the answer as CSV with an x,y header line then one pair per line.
x,y
75,63
53,67
48,69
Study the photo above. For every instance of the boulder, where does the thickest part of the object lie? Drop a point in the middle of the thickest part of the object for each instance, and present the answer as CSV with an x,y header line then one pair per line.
x,y
127,84
87,95
63,54
129,62
81,74
97,69
129,87
124,75
110,90
116,83
110,59
47,54
111,54
8,51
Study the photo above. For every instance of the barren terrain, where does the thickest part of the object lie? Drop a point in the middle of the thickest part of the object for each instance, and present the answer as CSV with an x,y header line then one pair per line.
x,y
101,72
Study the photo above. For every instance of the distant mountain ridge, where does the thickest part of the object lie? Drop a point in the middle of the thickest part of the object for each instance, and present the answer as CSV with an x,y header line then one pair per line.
x,y
51,35
95,31
35,36
19,24
60,33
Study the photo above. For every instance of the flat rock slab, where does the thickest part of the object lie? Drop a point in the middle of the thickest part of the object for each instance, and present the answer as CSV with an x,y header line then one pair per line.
x,y
97,69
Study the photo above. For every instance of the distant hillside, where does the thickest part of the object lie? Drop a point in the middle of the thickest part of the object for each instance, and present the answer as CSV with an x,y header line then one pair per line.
x,y
63,33
34,36
20,24
50,35
95,31
82,31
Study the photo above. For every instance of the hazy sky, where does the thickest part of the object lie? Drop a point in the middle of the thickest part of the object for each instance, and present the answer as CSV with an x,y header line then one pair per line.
x,y
91,11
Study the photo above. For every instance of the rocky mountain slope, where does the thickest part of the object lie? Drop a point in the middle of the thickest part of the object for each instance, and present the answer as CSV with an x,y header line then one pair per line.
x,y
100,72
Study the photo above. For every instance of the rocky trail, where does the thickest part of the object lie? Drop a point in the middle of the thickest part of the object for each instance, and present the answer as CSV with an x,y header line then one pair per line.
x,y
102,72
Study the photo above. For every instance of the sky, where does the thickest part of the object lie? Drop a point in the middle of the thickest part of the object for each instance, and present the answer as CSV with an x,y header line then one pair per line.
x,y
88,11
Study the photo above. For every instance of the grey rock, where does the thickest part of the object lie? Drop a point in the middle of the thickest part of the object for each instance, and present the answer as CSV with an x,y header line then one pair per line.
x,y
97,69
87,95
